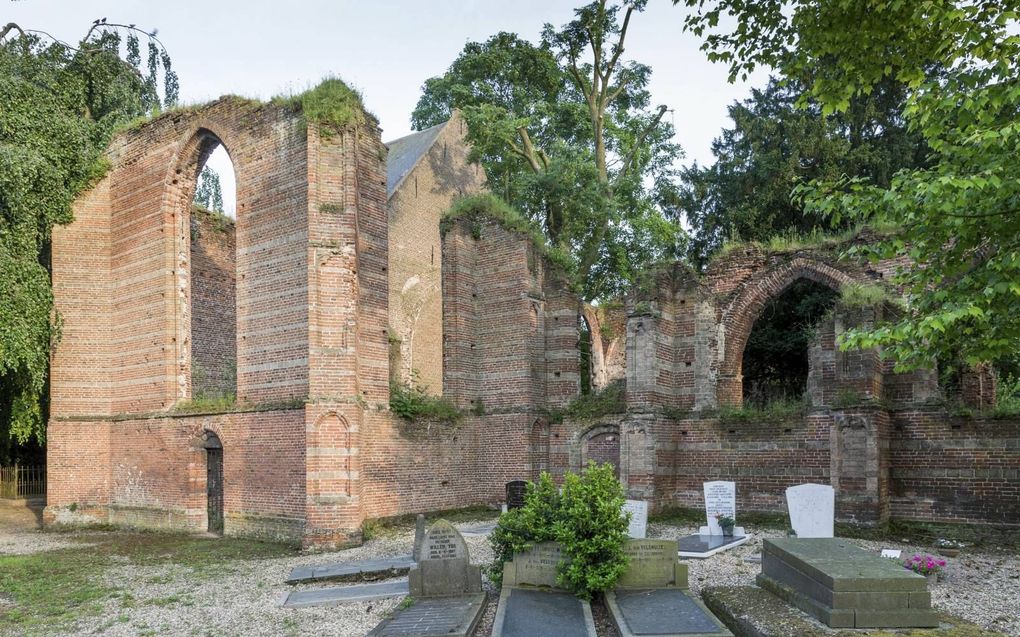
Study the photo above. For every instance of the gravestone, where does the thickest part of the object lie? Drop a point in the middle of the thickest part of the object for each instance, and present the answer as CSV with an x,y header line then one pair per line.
x,y
444,567
516,491
651,597
812,509
638,510
532,605
535,567
720,499
652,564
844,586
419,536
445,586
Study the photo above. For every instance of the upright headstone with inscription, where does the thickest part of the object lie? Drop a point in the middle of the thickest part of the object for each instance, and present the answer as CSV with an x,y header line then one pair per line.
x,y
446,588
720,500
812,510
516,491
638,510
538,566
444,567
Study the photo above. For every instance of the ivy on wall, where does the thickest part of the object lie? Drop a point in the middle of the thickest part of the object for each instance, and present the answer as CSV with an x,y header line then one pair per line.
x,y
59,107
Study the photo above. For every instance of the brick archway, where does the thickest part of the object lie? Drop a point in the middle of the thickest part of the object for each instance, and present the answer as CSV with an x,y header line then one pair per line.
x,y
601,444
740,315
198,144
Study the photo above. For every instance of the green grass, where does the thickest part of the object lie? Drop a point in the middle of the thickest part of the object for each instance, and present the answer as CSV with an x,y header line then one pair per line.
x,y
773,412
54,588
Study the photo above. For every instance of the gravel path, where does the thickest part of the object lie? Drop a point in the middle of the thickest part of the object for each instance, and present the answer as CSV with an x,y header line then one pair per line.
x,y
242,598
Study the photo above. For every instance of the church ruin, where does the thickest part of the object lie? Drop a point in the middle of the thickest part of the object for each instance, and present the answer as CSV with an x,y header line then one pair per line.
x,y
336,278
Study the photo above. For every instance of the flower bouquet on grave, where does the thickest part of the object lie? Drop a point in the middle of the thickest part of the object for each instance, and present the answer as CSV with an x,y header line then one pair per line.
x,y
927,565
726,523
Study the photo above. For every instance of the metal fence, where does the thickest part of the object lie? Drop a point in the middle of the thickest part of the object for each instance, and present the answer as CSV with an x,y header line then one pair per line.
x,y
18,483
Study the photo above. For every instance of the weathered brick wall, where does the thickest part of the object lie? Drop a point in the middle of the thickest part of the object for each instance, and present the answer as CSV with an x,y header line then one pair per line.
x,y
415,252
954,469
213,304
510,325
762,458
415,467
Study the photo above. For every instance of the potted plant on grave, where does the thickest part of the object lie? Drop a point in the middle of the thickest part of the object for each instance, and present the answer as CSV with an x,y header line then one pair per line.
x,y
927,565
726,523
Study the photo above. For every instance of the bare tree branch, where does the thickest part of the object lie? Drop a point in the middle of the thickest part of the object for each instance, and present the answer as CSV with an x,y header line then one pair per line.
x,y
628,163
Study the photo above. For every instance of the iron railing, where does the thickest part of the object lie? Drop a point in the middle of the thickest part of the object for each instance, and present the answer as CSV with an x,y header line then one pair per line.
x,y
18,483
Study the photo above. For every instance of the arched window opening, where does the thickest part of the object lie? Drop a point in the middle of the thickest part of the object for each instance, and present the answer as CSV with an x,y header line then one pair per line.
x,y
213,279
775,359
213,481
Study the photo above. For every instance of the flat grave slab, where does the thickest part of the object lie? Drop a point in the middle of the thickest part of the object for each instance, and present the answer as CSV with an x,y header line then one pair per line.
x,y
703,545
363,570
345,594
662,612
524,612
845,586
439,617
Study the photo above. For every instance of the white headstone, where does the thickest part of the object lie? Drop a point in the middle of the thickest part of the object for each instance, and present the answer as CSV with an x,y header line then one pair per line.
x,y
720,499
638,518
812,509
893,554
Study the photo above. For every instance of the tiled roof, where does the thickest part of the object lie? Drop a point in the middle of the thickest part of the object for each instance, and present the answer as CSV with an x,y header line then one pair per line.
x,y
405,153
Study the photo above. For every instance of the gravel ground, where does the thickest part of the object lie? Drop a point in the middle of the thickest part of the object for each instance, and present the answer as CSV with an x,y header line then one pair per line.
x,y
242,598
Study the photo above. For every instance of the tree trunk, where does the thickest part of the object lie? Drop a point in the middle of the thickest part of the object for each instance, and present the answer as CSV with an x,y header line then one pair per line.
x,y
599,373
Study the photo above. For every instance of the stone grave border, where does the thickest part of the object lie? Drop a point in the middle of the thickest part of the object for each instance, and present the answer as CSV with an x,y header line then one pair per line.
x,y
616,615
504,600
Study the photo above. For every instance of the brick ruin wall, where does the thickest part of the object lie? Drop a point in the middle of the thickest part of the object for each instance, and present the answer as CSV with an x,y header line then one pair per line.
x,y
310,451
214,305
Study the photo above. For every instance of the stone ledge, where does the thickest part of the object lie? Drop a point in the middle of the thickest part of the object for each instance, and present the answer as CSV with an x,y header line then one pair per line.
x,y
749,611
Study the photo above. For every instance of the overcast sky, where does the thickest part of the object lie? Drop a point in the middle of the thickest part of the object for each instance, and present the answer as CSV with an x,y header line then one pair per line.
x,y
386,49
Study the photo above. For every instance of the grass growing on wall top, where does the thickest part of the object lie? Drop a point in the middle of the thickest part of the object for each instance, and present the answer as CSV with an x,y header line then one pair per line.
x,y
488,207
332,105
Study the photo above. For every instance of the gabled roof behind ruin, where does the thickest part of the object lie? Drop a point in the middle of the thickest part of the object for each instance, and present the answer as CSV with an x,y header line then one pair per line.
x,y
405,153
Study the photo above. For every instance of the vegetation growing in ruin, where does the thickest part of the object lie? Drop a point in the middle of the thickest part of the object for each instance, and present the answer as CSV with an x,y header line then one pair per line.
x,y
958,211
475,209
332,105
412,402
586,519
59,107
774,411
587,407
864,295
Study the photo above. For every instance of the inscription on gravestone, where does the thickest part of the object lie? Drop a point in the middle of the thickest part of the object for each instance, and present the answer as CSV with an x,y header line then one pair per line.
x,y
444,568
812,509
535,567
516,490
652,564
720,499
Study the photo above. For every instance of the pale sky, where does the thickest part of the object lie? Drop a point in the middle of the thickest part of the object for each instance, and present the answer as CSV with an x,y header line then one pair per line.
x,y
385,49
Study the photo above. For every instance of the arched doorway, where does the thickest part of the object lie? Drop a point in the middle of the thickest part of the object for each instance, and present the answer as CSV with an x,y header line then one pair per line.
x,y
601,444
213,481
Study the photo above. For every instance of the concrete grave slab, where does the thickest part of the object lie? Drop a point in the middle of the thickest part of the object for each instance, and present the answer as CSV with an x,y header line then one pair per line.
x,y
812,510
438,617
704,545
345,594
844,586
526,612
663,612
363,570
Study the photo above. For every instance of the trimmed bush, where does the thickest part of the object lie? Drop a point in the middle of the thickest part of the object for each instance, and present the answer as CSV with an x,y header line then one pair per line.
x,y
587,519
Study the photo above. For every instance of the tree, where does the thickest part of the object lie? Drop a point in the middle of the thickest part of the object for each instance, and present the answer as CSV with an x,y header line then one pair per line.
x,y
208,193
959,215
773,146
565,132
59,106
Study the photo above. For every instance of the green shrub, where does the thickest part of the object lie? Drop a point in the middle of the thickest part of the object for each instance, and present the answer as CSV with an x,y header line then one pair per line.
x,y
587,519
412,401
1007,400
772,412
